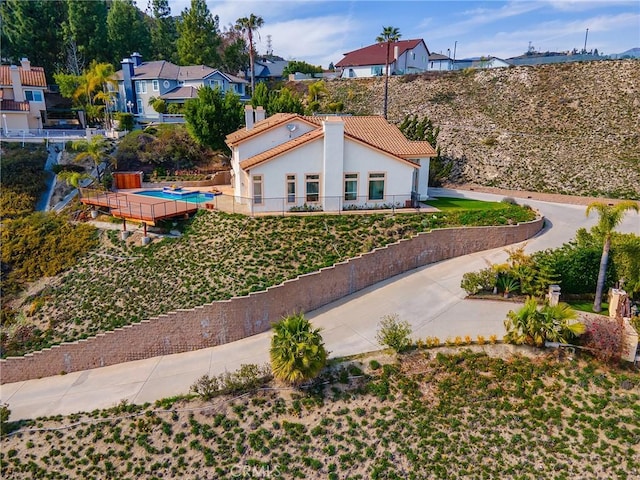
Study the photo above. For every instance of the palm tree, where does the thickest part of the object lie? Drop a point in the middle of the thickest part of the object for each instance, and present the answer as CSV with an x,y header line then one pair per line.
x,y
297,351
610,218
248,25
73,179
94,149
531,326
388,36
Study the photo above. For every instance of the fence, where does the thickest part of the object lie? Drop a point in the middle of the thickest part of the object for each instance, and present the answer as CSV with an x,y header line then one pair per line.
x,y
312,203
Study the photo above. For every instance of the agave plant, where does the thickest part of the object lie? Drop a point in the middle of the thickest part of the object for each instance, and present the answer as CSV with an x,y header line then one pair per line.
x,y
507,284
297,350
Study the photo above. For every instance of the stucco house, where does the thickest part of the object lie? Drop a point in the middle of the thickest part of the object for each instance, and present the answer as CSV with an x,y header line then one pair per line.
x,y
405,56
290,162
22,101
139,81
481,63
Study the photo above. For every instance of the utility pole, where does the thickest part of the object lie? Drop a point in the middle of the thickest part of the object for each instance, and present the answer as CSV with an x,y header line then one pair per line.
x,y
585,40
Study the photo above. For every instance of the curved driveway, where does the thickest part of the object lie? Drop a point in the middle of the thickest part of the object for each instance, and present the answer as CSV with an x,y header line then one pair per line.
x,y
430,298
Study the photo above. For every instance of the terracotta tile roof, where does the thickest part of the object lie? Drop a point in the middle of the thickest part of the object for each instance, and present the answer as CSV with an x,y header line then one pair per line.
x,y
379,133
280,149
373,131
34,77
374,54
270,122
13,106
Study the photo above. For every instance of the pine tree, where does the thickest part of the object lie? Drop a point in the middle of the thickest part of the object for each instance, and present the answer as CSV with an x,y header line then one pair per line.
x,y
164,33
199,36
127,31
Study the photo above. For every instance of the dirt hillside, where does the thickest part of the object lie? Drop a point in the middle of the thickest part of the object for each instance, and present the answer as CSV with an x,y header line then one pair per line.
x,y
564,128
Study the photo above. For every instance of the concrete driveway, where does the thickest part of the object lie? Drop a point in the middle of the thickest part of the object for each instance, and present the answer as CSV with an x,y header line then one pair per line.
x,y
430,298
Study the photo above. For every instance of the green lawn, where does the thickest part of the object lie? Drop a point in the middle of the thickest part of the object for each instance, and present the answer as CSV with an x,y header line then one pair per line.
x,y
587,306
451,203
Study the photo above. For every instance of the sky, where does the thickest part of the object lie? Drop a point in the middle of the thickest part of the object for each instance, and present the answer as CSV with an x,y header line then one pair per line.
x,y
320,32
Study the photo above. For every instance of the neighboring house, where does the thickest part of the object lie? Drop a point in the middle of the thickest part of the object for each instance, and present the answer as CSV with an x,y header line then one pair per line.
x,y
439,62
268,69
405,56
22,102
480,63
140,81
330,163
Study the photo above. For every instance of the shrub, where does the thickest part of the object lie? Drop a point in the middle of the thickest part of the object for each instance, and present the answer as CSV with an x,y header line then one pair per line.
x,y
4,417
605,339
394,333
474,282
248,377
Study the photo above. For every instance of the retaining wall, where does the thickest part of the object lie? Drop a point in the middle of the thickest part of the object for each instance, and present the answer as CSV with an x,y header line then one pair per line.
x,y
226,321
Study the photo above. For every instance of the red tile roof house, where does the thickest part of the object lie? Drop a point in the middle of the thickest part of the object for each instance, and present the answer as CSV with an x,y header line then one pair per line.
x,y
290,162
405,56
22,103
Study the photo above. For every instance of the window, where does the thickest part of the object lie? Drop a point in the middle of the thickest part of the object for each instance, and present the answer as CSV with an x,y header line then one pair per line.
x,y
141,86
313,188
350,186
156,85
413,55
166,84
291,188
140,106
376,70
257,189
215,83
376,186
33,95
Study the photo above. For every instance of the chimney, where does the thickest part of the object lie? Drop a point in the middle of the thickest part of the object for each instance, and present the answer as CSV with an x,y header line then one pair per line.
x,y
127,84
248,117
26,64
332,159
16,83
396,51
260,114
137,59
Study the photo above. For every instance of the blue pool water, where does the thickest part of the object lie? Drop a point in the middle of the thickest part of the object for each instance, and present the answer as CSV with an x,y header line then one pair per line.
x,y
191,197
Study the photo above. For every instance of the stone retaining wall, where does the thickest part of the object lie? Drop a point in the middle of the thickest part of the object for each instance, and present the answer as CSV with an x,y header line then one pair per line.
x,y
226,321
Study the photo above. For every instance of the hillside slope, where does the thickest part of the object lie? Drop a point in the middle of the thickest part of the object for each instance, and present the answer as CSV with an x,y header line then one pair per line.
x,y
564,128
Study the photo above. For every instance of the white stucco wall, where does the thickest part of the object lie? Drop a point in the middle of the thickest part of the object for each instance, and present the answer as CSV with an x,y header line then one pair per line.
x,y
272,138
362,71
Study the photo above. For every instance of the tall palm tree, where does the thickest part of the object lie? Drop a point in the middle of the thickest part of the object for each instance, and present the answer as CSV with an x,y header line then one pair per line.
x,y
94,149
389,35
297,350
248,25
610,218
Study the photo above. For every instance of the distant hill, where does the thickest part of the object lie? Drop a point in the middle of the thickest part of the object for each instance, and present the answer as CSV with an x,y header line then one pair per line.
x,y
565,128
631,53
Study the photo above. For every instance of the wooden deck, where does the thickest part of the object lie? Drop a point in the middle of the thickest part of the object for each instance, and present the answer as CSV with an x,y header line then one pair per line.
x,y
137,207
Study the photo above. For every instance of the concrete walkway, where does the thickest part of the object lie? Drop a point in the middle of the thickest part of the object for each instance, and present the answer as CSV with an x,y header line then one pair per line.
x,y
430,298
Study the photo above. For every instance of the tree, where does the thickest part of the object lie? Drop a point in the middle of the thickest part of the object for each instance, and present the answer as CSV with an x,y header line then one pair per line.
x,y
86,25
102,86
284,102
297,350
316,91
234,50
31,30
297,66
127,30
423,130
163,32
212,116
388,36
260,96
609,218
533,327
73,179
198,35
248,25
94,149
394,333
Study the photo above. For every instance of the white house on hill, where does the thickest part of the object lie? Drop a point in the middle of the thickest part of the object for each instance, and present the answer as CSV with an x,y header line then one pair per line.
x,y
405,56
290,162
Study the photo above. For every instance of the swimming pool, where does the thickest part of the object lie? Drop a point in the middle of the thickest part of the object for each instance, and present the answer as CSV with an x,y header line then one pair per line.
x,y
191,196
